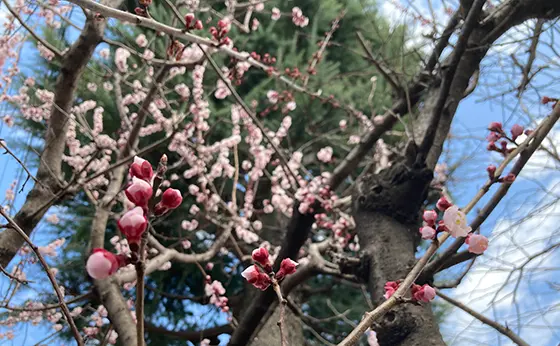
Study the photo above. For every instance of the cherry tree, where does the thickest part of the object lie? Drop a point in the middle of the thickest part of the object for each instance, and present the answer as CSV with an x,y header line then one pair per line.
x,y
190,165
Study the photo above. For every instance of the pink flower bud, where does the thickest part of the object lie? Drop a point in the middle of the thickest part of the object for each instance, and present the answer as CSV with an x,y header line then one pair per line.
x,y
442,204
171,198
493,137
477,243
141,169
423,293
101,263
430,216
261,256
133,224
516,131
189,17
510,178
139,192
491,146
256,278
427,232
496,127
491,171
287,267
198,25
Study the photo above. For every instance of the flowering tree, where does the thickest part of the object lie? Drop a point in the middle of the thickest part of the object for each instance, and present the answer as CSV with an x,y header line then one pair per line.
x,y
278,191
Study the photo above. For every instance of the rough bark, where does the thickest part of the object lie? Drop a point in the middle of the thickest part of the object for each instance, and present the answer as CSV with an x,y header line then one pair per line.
x,y
386,211
49,173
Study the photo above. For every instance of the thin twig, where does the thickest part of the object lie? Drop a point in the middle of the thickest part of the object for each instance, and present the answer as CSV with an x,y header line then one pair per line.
x,y
282,302
500,328
49,273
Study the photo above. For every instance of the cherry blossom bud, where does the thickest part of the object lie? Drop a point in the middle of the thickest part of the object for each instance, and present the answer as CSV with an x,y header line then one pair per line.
x,y
261,256
423,293
390,288
442,204
101,263
256,278
171,198
456,222
491,171
477,243
427,232
516,131
189,17
491,146
546,100
141,169
287,267
493,137
510,178
133,224
139,192
430,216
343,124
198,25
496,127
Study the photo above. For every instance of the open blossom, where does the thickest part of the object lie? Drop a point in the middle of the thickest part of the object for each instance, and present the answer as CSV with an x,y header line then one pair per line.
x,y
427,232
133,224
141,169
141,41
255,277
477,243
298,18
456,222
101,263
423,293
390,288
275,13
287,267
272,96
139,192
121,55
325,154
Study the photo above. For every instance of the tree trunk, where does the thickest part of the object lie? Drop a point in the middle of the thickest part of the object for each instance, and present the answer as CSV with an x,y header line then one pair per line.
x,y
386,211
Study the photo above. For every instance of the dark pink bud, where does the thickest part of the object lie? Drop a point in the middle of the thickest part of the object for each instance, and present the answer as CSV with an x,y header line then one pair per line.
x,y
528,132
101,263
222,24
287,267
139,192
516,131
198,25
261,256
496,127
171,198
423,293
189,17
546,100
491,171
442,204
390,288
492,146
493,137
133,224
141,169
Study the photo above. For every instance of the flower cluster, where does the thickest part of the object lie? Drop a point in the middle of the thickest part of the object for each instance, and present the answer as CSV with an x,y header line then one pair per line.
x,y
220,34
133,223
497,133
215,290
260,274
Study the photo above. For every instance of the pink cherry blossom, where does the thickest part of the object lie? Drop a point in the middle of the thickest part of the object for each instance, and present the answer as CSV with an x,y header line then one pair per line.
x,y
325,154
390,288
275,14
477,243
272,96
423,293
133,224
101,264
141,41
139,192
430,217
456,222
427,232
298,18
